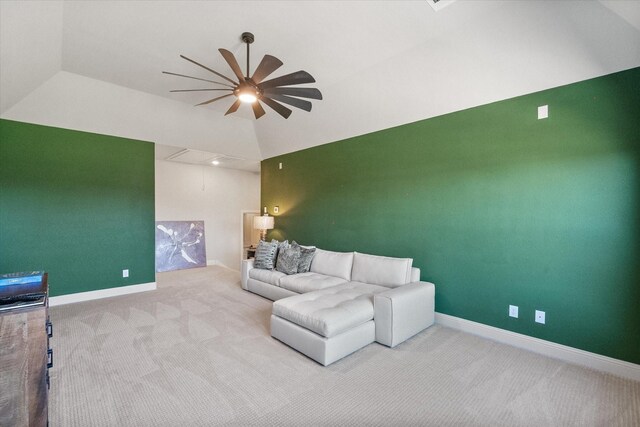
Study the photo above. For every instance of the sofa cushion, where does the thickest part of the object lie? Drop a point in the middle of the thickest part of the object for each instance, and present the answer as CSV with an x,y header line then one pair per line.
x,y
288,260
309,282
268,276
336,264
265,255
306,256
331,311
381,270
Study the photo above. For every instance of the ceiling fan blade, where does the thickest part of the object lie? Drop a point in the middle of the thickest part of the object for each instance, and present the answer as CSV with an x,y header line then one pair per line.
x,y
231,60
234,107
214,99
208,69
278,108
258,111
194,90
302,92
198,78
297,78
267,66
300,103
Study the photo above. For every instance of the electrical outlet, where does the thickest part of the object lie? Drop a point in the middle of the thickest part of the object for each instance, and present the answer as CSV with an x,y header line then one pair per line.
x,y
513,311
125,273
280,165
540,316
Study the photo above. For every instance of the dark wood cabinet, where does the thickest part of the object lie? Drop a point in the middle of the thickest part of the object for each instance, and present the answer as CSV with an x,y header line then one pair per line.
x,y
24,359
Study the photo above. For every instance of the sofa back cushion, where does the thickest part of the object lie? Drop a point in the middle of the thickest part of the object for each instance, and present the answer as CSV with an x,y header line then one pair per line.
x,y
337,264
415,274
381,270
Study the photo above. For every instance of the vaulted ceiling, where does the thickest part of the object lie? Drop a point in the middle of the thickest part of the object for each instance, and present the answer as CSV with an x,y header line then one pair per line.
x,y
96,66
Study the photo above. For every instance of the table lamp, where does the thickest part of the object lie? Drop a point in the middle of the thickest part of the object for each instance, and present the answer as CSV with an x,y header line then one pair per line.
x,y
263,223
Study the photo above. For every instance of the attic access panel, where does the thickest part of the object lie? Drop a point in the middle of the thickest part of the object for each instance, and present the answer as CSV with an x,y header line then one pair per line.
x,y
439,4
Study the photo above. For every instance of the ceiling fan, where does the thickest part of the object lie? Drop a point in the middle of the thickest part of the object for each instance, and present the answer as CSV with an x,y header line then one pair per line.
x,y
255,89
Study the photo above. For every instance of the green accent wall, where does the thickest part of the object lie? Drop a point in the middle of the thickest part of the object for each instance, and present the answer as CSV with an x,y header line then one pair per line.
x,y
78,205
495,207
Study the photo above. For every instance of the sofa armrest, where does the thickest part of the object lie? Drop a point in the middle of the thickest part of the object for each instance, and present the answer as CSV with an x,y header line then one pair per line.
x,y
402,312
247,264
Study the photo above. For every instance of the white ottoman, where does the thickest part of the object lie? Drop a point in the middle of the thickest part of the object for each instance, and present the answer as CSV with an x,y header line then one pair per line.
x,y
329,324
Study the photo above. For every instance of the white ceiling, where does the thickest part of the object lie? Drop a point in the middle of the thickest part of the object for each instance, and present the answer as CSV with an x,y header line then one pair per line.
x,y
96,66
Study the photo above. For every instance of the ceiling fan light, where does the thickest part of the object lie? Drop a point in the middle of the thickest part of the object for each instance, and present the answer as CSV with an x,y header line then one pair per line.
x,y
247,97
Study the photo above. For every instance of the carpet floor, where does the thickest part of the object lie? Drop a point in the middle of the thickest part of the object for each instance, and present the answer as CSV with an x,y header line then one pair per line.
x,y
197,352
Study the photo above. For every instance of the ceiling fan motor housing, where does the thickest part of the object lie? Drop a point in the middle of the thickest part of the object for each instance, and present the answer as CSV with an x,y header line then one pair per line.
x,y
248,86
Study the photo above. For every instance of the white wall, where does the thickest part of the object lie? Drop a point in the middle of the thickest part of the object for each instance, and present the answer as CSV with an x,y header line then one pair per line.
x,y
217,196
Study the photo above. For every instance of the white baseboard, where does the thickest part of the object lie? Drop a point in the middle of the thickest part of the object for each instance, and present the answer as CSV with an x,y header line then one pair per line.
x,y
101,293
218,263
546,348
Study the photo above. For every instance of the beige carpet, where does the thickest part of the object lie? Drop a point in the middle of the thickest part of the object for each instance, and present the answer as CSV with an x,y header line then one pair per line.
x,y
198,352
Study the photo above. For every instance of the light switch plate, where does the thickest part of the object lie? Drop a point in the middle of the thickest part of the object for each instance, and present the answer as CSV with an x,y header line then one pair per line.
x,y
125,273
540,316
276,209
543,112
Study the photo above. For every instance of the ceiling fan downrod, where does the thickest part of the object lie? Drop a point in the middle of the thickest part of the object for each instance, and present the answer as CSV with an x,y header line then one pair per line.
x,y
248,39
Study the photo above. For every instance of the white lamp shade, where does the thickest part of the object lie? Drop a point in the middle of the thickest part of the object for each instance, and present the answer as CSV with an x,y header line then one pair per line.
x,y
263,222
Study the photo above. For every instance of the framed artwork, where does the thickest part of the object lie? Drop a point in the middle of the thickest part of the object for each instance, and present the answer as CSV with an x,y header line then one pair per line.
x,y
180,245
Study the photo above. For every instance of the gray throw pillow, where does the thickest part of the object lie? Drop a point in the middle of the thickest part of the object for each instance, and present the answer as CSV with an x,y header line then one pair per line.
x,y
265,255
306,256
288,260
281,245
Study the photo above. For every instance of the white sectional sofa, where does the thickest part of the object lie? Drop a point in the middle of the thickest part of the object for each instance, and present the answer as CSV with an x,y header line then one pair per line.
x,y
346,301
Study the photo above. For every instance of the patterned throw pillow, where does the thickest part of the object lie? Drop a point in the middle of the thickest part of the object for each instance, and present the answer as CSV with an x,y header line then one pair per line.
x,y
265,255
281,245
288,260
306,255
